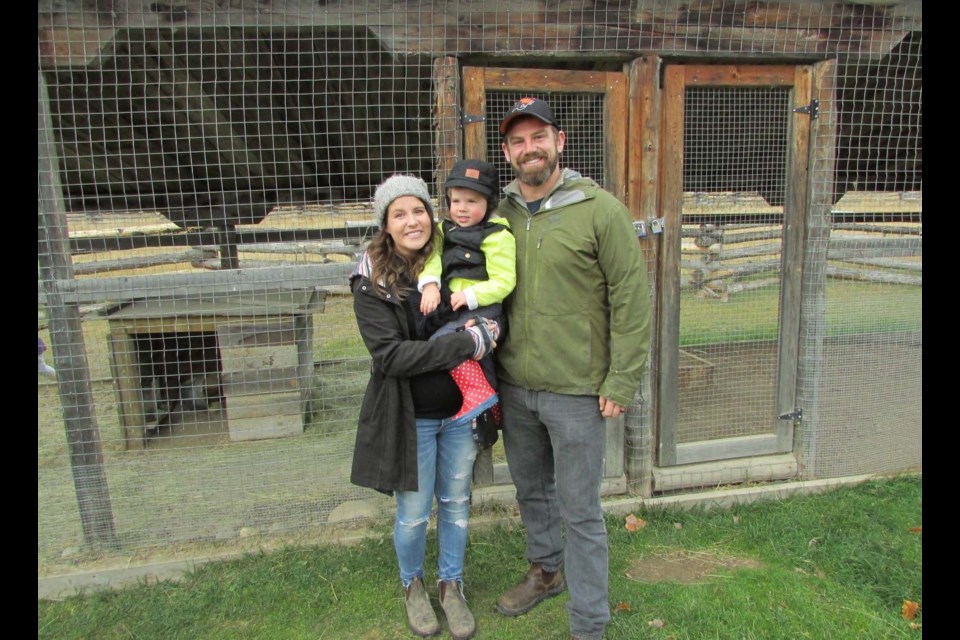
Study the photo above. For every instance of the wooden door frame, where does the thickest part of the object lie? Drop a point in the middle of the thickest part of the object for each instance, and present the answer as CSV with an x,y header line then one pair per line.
x,y
476,81
676,78
613,85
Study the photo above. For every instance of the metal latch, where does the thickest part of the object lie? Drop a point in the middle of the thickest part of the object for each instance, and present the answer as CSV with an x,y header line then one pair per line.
x,y
796,415
812,109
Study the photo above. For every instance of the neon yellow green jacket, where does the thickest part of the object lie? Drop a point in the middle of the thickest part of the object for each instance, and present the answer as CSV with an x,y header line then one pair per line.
x,y
500,251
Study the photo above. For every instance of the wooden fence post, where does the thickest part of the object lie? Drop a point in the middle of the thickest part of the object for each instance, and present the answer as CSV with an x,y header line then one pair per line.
x,y
66,336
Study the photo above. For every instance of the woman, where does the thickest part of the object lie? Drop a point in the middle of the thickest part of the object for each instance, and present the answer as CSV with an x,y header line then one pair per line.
x,y
407,442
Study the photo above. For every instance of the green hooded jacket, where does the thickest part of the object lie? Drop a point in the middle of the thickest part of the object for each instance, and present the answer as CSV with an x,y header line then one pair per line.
x,y
579,317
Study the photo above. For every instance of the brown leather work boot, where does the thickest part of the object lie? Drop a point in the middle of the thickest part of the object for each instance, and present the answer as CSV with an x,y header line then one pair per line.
x,y
536,586
459,619
420,616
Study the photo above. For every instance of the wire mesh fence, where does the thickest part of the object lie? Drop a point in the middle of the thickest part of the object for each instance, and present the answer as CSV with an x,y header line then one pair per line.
x,y
205,172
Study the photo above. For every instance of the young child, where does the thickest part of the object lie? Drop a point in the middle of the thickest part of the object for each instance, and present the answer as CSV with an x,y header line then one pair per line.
x,y
477,265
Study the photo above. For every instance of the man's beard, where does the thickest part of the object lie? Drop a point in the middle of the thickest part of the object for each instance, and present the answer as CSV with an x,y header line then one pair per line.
x,y
536,177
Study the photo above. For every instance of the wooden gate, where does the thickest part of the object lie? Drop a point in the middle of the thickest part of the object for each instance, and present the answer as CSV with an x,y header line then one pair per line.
x,y
734,150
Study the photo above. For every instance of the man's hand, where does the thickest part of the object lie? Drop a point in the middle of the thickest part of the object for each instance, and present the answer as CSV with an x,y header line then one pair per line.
x,y
430,299
610,409
457,300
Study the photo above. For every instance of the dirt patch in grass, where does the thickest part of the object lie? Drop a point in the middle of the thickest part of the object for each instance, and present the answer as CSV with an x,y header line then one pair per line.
x,y
686,567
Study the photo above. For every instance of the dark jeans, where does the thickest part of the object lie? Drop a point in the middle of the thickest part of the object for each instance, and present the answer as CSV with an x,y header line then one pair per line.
x,y
555,447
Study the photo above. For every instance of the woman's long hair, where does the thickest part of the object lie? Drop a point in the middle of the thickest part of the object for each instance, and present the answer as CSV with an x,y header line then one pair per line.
x,y
393,273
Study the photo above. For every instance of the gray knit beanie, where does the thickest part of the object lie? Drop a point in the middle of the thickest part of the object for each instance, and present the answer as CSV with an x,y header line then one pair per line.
x,y
394,187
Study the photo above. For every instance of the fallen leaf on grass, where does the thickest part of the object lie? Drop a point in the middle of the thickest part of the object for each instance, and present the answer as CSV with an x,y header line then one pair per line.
x,y
909,609
633,523
915,626
656,623
678,525
736,519
621,606
916,529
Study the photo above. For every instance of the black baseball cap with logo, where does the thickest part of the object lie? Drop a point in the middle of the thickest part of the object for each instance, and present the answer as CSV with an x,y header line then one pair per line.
x,y
478,175
528,107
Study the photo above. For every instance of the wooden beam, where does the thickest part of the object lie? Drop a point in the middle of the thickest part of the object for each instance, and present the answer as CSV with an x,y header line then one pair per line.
x,y
712,474
669,276
124,369
790,28
142,262
906,246
741,75
616,108
863,275
205,283
795,214
66,336
474,108
447,149
811,360
723,448
74,46
534,80
643,197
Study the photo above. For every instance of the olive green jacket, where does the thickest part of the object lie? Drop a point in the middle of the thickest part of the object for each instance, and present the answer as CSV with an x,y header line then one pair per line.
x,y
579,317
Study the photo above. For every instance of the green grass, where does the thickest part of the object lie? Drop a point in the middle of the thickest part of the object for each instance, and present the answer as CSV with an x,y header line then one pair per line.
x,y
851,308
837,565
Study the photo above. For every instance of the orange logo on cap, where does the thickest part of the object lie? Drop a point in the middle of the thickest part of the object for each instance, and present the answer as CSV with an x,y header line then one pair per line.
x,y
472,173
523,103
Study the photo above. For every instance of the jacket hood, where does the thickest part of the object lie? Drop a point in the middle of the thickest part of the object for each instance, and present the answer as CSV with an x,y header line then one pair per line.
x,y
363,268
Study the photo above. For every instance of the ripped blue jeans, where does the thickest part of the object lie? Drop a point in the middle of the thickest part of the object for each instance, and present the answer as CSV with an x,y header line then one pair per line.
x,y
445,455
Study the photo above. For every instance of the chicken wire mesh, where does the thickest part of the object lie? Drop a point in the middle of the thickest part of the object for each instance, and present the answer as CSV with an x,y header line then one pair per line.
x,y
193,406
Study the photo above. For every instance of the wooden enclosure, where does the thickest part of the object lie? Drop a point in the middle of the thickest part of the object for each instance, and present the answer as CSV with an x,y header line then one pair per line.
x,y
765,150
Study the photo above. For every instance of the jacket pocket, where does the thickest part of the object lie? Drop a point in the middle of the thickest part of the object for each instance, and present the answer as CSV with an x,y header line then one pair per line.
x,y
561,358
461,262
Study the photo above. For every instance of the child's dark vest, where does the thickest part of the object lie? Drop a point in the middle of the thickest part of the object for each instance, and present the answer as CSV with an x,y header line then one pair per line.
x,y
462,257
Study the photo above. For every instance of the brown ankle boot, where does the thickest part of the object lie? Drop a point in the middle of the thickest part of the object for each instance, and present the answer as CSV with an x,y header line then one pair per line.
x,y
420,615
459,619
536,586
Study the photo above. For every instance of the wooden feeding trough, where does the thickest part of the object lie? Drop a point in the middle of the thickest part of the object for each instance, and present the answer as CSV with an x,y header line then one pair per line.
x,y
253,354
695,370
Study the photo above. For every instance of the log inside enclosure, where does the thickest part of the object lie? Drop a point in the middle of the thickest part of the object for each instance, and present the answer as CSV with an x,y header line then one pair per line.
x,y
192,256
891,263
885,229
699,275
695,369
867,275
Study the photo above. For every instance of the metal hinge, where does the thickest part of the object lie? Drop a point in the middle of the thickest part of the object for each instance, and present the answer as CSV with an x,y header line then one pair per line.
x,y
795,415
467,119
812,109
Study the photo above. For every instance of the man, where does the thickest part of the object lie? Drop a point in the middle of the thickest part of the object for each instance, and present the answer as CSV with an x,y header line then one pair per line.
x,y
579,331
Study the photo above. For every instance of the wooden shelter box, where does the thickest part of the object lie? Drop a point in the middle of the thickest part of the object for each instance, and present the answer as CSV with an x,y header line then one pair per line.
x,y
254,351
